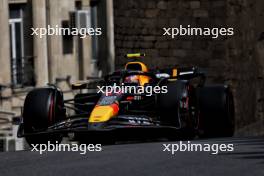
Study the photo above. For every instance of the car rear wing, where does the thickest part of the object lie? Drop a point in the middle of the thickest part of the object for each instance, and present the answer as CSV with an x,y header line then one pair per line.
x,y
183,73
190,72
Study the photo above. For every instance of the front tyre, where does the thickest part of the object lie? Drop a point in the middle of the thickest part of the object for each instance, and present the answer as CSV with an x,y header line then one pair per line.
x,y
174,107
42,108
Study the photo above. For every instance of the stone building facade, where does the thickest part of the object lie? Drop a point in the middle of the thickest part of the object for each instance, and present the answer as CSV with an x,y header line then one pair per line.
x,y
236,60
28,61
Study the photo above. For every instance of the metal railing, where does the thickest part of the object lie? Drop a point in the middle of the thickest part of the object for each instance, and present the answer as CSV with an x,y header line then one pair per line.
x,y
22,72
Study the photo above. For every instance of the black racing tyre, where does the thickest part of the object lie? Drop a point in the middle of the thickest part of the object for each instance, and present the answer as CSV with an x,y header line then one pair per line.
x,y
170,112
42,108
216,111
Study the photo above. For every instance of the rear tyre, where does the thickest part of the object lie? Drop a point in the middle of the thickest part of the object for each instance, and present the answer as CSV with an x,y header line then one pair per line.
x,y
216,108
42,108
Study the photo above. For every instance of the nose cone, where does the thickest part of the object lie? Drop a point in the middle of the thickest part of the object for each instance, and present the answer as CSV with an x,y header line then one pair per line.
x,y
103,113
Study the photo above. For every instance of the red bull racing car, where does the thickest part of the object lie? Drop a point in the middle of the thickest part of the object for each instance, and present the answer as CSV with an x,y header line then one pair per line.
x,y
129,103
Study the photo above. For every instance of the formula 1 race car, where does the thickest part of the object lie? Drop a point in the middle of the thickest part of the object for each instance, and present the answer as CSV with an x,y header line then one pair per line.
x,y
133,102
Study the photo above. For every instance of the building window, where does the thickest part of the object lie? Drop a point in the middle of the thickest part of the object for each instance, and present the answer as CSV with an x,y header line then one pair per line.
x,y
22,73
16,46
67,40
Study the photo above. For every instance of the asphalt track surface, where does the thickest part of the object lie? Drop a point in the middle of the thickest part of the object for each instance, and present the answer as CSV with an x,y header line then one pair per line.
x,y
141,159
